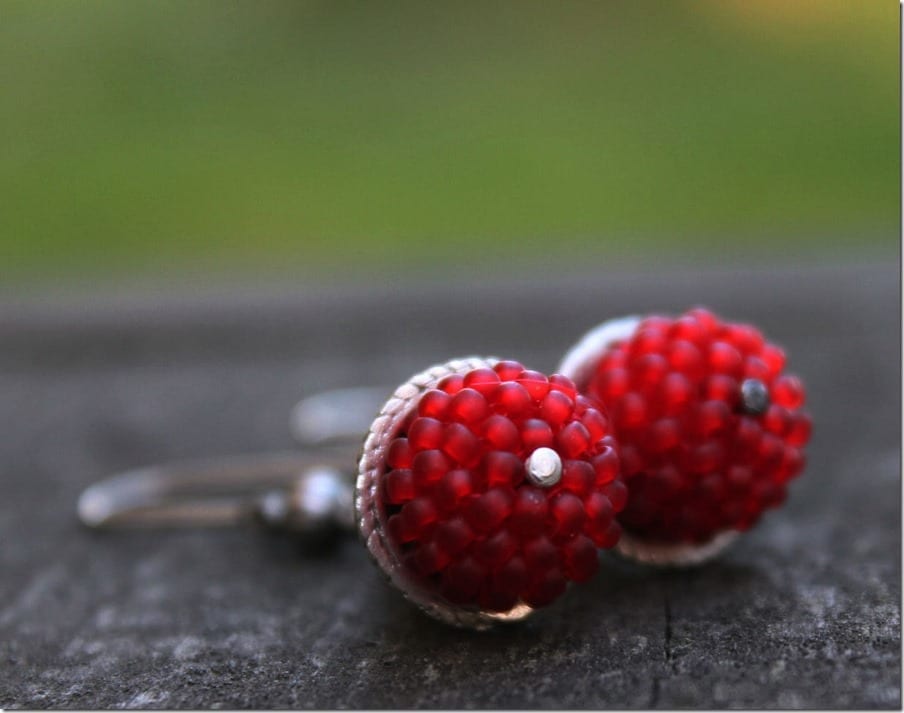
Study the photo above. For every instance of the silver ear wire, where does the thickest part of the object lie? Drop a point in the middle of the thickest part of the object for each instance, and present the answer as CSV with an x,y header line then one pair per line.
x,y
336,416
303,493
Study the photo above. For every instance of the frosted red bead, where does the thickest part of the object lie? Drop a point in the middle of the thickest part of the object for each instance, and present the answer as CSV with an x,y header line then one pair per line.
x,y
458,505
425,433
694,462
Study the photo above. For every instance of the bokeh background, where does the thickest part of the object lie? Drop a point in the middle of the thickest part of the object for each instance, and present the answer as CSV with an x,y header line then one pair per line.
x,y
149,140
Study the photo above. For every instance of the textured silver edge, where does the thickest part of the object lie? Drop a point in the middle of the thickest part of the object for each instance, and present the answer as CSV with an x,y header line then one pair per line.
x,y
371,467
577,365
673,555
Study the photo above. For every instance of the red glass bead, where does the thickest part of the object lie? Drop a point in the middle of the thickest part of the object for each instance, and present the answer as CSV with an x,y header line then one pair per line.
x,y
453,536
452,487
488,511
573,440
496,549
556,407
425,433
501,433
434,403
578,477
536,433
429,466
568,513
788,391
399,454
580,559
485,381
529,512
399,485
513,399
605,465
508,370
503,468
537,384
468,406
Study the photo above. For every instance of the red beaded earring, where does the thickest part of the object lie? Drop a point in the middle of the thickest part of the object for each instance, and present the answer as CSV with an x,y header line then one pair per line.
x,y
710,428
485,488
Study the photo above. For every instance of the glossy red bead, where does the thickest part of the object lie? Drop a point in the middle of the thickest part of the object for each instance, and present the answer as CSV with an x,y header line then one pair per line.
x,y
694,462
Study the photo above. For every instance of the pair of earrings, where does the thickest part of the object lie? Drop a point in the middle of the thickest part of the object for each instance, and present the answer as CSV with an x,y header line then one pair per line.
x,y
485,489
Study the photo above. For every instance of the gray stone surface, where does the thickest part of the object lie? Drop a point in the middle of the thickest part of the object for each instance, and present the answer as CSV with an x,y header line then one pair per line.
x,y
803,611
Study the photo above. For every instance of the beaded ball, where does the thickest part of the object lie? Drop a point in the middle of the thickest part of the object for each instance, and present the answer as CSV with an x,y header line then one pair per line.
x,y
497,489
711,429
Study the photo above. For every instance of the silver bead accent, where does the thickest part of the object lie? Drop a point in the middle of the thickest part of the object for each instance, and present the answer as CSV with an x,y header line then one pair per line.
x,y
754,397
319,505
544,467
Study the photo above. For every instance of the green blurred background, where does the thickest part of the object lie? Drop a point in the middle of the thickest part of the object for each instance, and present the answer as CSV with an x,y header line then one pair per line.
x,y
195,138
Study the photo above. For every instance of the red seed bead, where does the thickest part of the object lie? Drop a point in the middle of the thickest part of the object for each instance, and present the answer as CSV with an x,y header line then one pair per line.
x,y
567,512
777,420
649,370
605,466
399,454
451,384
556,407
501,433
434,403
418,513
537,384
461,445
617,494
774,358
508,370
529,512
549,586
725,359
425,433
664,435
430,558
580,559
536,433
513,398
631,412
713,417
488,511
684,358
676,393
573,440
597,425
485,381
755,368
399,485
453,487
453,536
496,549
720,387
502,468
429,466
788,391
463,579
799,432
468,406
540,553
578,477
614,383
512,577
458,507
563,384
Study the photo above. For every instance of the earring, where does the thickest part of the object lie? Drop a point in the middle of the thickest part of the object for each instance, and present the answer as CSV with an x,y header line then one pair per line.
x,y
484,489
710,428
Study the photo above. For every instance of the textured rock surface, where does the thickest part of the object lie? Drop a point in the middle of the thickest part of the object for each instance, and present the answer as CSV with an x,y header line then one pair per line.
x,y
804,611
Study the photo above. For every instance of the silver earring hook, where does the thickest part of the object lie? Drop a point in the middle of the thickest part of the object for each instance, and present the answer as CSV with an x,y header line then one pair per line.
x,y
306,493
309,493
